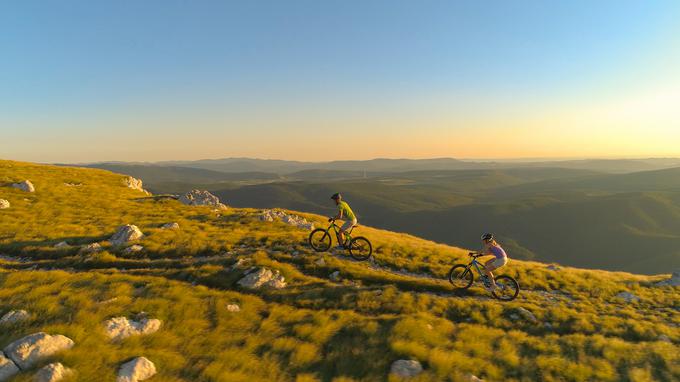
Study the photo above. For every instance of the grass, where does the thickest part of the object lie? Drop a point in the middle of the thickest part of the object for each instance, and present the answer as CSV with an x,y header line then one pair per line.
x,y
315,329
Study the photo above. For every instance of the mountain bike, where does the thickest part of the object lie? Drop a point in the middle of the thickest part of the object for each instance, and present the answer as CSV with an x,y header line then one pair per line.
x,y
359,247
461,277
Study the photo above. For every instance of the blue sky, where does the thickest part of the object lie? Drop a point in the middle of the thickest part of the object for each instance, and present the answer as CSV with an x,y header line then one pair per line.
x,y
154,80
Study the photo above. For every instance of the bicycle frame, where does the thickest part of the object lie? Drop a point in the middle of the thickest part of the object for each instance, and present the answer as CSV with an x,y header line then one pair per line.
x,y
336,229
477,266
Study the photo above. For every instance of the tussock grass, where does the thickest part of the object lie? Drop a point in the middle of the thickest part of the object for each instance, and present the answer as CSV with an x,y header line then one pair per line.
x,y
314,329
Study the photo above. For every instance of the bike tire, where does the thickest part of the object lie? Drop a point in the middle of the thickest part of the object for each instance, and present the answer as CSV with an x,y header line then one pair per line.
x,y
360,248
460,276
506,284
320,240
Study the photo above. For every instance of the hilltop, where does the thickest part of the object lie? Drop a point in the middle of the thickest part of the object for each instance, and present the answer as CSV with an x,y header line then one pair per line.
x,y
568,324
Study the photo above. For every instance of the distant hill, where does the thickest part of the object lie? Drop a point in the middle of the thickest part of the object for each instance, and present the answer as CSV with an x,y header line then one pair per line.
x,y
283,167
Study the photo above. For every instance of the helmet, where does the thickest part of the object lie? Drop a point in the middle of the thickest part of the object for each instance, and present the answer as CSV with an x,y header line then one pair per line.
x,y
487,237
336,196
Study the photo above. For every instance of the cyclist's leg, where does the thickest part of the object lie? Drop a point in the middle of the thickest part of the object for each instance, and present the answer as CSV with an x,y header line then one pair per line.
x,y
489,267
346,227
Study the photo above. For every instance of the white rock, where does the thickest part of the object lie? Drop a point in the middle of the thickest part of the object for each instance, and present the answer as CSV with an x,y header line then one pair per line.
x,y
172,225
138,369
26,185
91,248
320,262
126,233
134,248
61,244
14,316
233,308
526,314
553,267
628,297
406,368
335,276
663,338
201,198
4,204
52,373
472,378
673,281
294,220
119,328
7,368
263,277
25,352
135,184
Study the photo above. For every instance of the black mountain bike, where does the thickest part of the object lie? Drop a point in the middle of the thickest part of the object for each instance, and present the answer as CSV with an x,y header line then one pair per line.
x,y
461,277
359,247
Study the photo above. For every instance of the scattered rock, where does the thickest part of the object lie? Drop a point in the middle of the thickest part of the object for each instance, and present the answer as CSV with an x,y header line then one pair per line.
x,y
263,277
119,328
201,198
61,244
52,373
91,248
335,276
240,263
553,267
233,308
133,248
525,314
138,369
628,297
26,185
26,351
664,338
125,234
673,281
472,378
7,368
294,220
14,316
320,262
135,184
406,368
4,204
73,184
172,225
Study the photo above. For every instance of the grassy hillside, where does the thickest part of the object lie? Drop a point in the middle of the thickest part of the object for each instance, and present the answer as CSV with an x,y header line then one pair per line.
x,y
315,329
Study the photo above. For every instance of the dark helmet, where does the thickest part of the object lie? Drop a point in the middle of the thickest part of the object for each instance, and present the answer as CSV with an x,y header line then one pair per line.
x,y
336,196
487,237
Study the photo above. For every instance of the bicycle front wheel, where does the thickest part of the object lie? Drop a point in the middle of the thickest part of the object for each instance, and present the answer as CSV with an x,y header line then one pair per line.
x,y
460,276
507,288
320,240
360,248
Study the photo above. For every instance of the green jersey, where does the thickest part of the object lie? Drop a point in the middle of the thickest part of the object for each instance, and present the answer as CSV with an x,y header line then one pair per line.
x,y
347,213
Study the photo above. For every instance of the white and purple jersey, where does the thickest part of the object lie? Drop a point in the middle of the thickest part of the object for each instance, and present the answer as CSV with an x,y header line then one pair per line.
x,y
497,251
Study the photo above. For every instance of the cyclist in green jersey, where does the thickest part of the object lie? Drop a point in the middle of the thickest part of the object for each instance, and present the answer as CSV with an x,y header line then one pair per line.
x,y
344,213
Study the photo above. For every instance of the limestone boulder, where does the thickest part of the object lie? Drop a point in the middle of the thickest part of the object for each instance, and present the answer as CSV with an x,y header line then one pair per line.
x,y
27,351
4,204
8,368
135,184
119,328
14,316
628,297
290,219
263,277
26,186
53,372
90,248
138,369
172,225
201,198
125,234
406,368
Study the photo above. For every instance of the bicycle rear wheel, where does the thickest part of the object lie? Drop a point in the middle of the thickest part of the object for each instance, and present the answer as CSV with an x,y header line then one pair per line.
x,y
507,288
360,248
460,276
320,240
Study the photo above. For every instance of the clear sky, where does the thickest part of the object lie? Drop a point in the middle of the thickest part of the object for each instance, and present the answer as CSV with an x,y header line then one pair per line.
x,y
324,80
